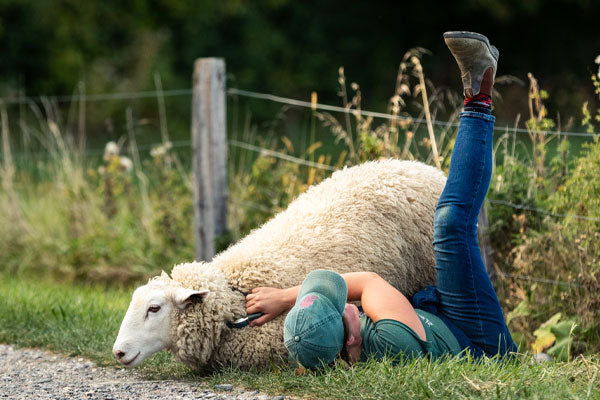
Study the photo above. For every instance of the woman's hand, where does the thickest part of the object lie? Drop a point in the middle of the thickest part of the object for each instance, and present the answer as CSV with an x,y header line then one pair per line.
x,y
271,302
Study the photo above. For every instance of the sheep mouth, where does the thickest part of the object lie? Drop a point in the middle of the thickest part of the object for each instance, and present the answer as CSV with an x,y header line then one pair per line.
x,y
127,363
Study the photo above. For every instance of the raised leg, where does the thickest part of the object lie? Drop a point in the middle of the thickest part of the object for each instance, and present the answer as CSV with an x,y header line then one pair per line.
x,y
467,297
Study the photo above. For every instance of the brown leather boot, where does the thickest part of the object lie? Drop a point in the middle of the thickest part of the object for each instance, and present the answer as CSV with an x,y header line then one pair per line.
x,y
474,56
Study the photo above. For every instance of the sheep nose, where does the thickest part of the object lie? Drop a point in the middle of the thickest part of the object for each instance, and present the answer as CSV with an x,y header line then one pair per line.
x,y
119,354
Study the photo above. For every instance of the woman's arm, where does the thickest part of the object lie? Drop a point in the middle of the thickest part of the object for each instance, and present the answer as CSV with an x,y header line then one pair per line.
x,y
379,300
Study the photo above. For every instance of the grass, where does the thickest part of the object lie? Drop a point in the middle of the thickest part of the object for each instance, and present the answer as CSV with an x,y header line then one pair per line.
x,y
84,321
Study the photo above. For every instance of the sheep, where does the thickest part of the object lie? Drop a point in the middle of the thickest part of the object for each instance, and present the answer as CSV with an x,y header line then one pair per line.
x,y
377,216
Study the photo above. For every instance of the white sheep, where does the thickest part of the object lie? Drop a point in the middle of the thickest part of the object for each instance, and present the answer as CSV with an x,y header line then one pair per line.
x,y
377,216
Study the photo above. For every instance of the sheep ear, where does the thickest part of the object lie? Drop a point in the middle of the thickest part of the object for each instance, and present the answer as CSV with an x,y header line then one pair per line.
x,y
184,297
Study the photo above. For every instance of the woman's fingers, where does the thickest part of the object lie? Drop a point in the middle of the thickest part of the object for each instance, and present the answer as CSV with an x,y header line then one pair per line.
x,y
262,320
256,292
251,296
252,308
269,301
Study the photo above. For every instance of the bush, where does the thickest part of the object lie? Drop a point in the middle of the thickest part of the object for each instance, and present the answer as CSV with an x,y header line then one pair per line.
x,y
560,248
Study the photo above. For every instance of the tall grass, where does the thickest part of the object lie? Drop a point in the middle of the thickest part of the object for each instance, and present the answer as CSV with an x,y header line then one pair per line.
x,y
74,218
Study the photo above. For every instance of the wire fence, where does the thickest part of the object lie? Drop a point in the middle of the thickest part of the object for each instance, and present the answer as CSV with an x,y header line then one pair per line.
x,y
96,96
261,96
541,211
286,157
541,280
282,156
364,113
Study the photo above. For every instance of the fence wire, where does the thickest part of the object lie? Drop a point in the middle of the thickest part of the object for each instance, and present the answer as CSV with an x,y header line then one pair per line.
x,y
261,96
347,110
540,280
98,152
283,156
541,211
96,96
286,157
300,161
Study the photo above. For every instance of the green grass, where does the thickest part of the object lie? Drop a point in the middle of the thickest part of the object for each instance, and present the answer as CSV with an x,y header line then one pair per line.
x,y
79,320
75,320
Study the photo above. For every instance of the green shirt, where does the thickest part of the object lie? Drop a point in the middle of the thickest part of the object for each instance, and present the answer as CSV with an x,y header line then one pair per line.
x,y
388,337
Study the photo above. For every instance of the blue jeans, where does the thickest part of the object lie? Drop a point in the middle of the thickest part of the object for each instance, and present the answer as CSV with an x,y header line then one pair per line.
x,y
466,295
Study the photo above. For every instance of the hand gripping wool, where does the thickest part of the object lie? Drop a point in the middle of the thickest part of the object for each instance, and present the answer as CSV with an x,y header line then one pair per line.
x,y
377,217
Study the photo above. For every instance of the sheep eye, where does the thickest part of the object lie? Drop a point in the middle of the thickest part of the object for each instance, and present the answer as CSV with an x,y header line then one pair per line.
x,y
153,309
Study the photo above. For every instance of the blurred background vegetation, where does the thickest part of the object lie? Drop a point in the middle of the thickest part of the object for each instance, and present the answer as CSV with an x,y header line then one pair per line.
x,y
290,47
100,191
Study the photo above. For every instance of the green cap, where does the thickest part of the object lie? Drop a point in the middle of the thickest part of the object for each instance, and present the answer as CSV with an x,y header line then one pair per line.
x,y
313,331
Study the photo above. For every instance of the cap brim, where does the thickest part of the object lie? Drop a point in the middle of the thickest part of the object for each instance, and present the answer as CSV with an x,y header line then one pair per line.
x,y
328,284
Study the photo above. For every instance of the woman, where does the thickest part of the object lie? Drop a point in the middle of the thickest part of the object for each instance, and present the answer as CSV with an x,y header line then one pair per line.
x,y
462,311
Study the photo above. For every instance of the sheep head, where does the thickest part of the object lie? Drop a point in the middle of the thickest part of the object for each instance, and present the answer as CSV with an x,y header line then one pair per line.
x,y
194,307
147,325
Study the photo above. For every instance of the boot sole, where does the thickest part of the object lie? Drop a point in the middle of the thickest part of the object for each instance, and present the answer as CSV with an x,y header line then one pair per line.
x,y
471,35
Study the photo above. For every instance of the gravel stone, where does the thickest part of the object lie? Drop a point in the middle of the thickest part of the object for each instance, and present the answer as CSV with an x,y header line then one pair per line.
x,y
38,374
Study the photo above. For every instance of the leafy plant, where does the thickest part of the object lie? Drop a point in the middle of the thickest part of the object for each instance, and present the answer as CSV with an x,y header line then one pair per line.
x,y
555,337
560,248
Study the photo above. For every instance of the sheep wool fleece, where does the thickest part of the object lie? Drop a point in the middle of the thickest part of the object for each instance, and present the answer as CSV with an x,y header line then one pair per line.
x,y
377,216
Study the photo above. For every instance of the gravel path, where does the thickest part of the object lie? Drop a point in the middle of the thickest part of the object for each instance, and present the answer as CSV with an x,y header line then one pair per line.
x,y
38,374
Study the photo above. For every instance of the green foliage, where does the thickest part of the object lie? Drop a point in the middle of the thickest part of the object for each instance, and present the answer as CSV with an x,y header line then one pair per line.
x,y
563,247
269,186
580,194
556,337
511,183
50,46
268,189
588,119
171,206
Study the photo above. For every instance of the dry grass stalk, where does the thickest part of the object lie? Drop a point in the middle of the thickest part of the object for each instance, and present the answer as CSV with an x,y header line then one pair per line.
x,y
344,94
81,119
142,178
8,174
395,106
164,131
537,128
423,89
8,168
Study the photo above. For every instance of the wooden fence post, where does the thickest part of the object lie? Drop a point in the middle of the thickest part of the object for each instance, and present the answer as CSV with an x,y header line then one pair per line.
x,y
484,242
209,148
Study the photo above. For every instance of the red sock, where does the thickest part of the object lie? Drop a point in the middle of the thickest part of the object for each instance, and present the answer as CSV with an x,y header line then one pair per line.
x,y
479,103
